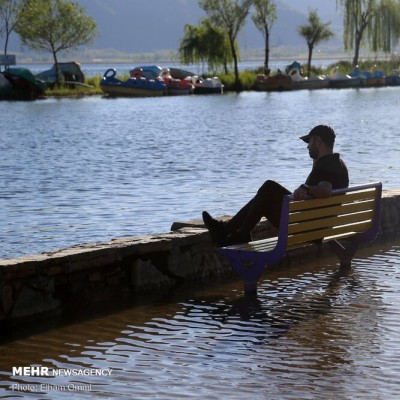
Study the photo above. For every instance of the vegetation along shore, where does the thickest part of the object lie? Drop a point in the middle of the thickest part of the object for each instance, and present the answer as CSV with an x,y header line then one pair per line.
x,y
247,77
62,25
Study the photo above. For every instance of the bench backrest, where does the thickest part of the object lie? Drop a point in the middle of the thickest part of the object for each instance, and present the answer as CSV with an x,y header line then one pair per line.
x,y
345,213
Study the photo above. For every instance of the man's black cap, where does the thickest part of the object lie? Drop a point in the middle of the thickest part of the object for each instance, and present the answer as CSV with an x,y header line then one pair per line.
x,y
325,132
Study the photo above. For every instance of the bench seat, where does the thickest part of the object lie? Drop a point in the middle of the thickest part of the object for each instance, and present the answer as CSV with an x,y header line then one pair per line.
x,y
346,219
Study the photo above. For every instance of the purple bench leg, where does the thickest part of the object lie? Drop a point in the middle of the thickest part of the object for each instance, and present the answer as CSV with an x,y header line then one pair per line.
x,y
249,269
344,253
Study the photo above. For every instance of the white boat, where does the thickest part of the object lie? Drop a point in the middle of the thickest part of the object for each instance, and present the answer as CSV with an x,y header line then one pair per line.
x,y
302,82
337,80
206,85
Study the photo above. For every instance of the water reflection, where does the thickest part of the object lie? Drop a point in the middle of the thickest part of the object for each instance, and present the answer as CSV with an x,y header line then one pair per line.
x,y
85,170
313,329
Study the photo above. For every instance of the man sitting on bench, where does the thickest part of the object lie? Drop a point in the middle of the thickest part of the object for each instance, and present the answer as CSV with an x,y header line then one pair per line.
x,y
329,172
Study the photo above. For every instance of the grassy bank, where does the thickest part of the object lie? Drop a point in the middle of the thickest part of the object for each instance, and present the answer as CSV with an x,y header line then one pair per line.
x,y
247,77
89,88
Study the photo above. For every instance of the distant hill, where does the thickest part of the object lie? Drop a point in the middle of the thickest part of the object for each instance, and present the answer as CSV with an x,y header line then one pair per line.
x,y
152,25
140,26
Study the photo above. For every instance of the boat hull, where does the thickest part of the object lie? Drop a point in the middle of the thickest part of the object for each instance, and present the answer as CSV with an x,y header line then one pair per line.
x,y
311,84
345,83
392,80
22,85
275,83
118,91
208,90
132,87
374,82
179,92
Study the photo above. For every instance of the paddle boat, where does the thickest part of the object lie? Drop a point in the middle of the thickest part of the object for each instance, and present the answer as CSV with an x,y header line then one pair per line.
x,y
278,82
201,85
369,78
176,86
206,85
393,79
301,82
147,71
135,86
69,72
339,81
18,83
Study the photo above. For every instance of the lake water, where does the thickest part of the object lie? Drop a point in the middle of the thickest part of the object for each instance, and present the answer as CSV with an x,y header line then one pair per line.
x,y
314,332
91,169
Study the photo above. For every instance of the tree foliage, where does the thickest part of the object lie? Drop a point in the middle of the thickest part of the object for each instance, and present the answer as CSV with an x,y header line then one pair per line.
x,y
375,23
10,13
314,32
58,25
205,44
230,16
264,17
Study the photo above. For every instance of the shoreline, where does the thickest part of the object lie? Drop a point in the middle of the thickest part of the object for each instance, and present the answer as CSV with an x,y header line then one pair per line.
x,y
43,286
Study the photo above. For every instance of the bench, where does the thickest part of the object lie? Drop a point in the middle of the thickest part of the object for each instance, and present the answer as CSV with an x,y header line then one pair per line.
x,y
345,220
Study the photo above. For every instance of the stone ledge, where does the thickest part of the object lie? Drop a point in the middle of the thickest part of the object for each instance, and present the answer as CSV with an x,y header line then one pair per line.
x,y
78,276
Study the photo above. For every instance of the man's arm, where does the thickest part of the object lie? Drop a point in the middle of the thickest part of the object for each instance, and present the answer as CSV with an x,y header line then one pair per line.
x,y
323,189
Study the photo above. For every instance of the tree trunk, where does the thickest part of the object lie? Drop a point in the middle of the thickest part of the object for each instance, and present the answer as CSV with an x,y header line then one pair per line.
x,y
6,45
238,84
310,51
266,59
357,48
7,37
56,67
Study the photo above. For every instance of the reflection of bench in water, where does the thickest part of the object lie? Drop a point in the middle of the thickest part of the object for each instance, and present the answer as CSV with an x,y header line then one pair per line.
x,y
352,214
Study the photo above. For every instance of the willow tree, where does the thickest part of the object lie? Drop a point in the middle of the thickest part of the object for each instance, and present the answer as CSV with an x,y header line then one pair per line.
x,y
372,22
314,32
10,14
58,26
264,17
230,16
205,44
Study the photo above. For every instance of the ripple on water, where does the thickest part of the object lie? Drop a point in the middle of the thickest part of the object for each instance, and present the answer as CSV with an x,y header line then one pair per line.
x,y
313,329
107,168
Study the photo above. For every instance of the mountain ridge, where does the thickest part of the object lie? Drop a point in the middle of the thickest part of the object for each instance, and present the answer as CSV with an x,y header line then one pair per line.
x,y
134,26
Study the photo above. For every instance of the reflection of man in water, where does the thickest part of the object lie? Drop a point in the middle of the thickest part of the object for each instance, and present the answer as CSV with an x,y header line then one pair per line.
x,y
329,172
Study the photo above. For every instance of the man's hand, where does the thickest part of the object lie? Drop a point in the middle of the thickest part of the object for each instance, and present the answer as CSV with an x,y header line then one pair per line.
x,y
323,189
300,193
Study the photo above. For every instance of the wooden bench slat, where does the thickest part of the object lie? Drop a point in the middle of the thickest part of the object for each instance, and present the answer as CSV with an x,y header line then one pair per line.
x,y
330,222
257,245
352,213
339,199
331,211
325,233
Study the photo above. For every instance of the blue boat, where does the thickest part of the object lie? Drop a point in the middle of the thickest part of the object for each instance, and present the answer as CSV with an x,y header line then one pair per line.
x,y
135,86
393,79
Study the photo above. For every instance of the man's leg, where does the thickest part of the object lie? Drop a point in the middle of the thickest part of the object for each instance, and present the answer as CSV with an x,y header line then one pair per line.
x,y
267,202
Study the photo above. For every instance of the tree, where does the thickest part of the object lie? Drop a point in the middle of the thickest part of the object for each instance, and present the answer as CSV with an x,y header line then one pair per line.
x,y
58,25
10,13
263,18
314,32
205,44
230,16
375,22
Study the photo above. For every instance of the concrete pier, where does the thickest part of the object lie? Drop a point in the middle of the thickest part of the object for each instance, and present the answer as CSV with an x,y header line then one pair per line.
x,y
82,276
